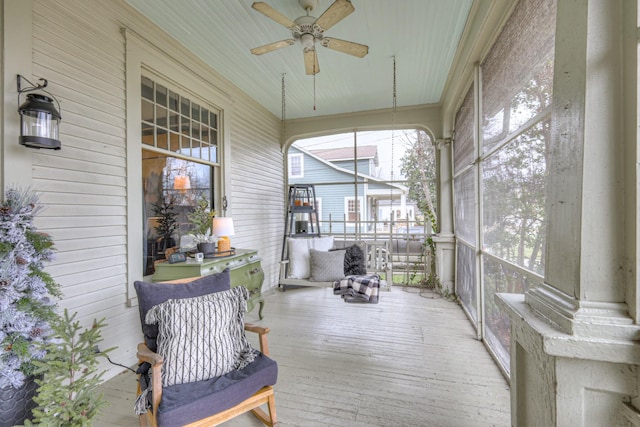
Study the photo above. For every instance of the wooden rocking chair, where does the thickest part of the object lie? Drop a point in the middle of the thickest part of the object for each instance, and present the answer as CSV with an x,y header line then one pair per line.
x,y
209,402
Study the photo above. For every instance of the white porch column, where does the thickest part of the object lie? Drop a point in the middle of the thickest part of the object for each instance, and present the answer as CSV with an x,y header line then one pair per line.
x,y
444,239
574,348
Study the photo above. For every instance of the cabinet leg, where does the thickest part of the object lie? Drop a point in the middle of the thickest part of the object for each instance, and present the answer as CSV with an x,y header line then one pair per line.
x,y
260,310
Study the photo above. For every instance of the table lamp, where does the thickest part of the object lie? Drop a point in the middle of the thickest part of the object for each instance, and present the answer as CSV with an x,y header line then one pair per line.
x,y
223,228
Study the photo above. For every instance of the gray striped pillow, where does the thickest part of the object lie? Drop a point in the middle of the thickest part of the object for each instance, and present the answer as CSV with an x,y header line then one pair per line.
x,y
202,337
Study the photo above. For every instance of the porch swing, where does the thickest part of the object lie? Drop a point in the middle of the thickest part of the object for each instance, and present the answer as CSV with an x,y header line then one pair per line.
x,y
358,271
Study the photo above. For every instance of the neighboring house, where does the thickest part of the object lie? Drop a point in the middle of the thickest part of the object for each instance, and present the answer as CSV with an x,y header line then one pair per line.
x,y
342,204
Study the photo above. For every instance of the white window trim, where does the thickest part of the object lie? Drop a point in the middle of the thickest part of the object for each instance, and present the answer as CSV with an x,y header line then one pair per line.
x,y
346,210
142,54
289,162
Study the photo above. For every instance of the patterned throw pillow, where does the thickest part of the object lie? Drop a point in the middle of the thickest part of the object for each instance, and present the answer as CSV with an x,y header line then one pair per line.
x,y
202,337
326,266
150,294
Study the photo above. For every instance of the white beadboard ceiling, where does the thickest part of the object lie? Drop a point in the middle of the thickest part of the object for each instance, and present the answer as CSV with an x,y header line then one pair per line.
x,y
423,35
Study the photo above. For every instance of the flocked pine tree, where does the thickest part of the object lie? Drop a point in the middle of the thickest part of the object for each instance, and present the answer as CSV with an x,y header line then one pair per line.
x,y
26,307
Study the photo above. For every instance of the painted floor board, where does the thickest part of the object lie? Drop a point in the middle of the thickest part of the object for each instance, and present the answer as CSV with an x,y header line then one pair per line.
x,y
410,360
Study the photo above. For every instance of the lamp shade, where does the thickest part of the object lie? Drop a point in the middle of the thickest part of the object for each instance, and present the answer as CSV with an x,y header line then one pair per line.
x,y
39,121
222,226
181,182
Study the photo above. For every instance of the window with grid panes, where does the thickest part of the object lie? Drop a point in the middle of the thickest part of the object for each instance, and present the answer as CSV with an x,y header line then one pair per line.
x,y
176,123
180,162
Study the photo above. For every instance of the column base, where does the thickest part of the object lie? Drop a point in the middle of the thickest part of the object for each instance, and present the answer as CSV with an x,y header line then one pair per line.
x,y
563,379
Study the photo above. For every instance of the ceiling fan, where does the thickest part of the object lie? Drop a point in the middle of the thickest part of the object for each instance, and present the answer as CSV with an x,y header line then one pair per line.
x,y
309,30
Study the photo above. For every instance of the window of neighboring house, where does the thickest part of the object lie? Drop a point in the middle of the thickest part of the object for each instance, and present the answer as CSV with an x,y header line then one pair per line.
x,y
296,165
180,162
353,208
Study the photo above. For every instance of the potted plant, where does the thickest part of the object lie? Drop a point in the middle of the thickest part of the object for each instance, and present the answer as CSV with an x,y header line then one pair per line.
x,y
26,308
68,392
201,219
167,223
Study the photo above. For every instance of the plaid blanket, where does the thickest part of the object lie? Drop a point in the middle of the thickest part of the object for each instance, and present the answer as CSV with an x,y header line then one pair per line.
x,y
358,289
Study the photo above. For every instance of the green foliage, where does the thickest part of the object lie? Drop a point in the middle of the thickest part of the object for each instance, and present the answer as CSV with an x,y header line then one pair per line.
x,y
202,217
68,394
419,166
167,223
27,306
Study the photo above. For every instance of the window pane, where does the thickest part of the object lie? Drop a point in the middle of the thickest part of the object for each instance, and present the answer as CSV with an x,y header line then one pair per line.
x,y
186,126
161,116
514,198
147,134
147,111
463,146
174,142
174,101
178,181
500,277
195,129
205,134
204,151
213,120
465,207
205,116
174,121
195,111
185,107
147,88
161,95
517,73
161,139
466,279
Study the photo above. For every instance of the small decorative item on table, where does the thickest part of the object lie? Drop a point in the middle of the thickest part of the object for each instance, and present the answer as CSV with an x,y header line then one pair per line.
x,y
223,228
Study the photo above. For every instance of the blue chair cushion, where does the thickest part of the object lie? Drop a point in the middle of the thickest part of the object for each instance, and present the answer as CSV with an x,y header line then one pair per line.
x,y
185,403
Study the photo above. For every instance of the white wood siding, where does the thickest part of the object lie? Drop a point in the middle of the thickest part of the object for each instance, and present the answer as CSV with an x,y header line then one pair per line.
x,y
78,46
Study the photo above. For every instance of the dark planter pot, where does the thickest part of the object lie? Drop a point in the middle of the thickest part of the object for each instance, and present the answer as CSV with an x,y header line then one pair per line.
x,y
16,404
206,248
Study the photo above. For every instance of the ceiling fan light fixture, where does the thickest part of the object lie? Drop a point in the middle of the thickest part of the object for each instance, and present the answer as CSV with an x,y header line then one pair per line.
x,y
309,30
307,41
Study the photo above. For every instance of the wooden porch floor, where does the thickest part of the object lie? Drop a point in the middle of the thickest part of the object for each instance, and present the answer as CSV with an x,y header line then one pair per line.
x,y
410,360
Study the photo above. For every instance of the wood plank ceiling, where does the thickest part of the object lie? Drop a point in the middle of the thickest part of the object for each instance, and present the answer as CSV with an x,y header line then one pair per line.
x,y
423,35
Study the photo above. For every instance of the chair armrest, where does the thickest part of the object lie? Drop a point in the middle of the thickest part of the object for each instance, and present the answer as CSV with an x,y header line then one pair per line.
x,y
146,355
156,361
262,336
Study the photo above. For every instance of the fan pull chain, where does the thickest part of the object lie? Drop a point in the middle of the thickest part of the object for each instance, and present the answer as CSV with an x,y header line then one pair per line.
x,y
314,86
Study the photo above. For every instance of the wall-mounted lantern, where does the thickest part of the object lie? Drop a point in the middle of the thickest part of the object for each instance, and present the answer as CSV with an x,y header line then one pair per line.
x,y
39,118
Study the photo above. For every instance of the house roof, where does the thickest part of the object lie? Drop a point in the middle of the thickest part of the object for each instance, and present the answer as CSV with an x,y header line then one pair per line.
x,y
346,153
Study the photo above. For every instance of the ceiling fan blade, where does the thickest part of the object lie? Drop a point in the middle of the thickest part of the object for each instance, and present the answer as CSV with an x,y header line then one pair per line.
x,y
270,12
350,48
339,10
311,62
272,46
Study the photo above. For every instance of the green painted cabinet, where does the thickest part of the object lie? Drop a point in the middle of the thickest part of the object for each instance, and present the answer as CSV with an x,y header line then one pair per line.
x,y
245,270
